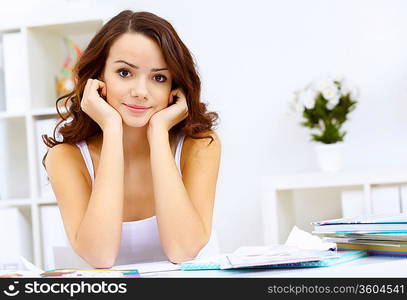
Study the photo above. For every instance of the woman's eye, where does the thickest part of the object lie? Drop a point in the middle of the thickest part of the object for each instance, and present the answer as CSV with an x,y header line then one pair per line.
x,y
123,72
160,78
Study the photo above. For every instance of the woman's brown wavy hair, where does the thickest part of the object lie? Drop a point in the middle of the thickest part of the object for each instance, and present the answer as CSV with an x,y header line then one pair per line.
x,y
75,125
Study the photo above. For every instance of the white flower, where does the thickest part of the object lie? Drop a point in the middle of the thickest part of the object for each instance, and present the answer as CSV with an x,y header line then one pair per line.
x,y
332,103
331,93
322,84
339,78
307,98
347,87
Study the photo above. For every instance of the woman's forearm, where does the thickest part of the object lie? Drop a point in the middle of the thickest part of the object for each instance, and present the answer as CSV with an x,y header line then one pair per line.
x,y
98,237
181,228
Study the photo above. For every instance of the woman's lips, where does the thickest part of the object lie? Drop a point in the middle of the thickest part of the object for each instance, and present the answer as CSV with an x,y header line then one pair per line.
x,y
137,108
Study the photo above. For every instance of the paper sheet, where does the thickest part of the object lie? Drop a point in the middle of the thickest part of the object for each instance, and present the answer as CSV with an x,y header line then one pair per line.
x,y
150,267
304,240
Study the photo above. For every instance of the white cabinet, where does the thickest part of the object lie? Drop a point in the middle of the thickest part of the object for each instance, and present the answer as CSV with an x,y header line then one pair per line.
x,y
16,237
302,198
38,60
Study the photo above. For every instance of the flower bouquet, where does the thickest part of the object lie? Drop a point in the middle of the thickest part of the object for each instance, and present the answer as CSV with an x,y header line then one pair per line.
x,y
324,106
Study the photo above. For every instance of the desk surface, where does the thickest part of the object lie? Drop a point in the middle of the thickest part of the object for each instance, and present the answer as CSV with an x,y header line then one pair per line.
x,y
370,266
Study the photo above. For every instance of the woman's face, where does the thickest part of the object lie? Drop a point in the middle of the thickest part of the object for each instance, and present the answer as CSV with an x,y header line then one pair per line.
x,y
136,74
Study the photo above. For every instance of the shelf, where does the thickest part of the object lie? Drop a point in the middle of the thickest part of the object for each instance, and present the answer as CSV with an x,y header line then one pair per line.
x,y
283,197
26,202
12,115
14,173
336,179
23,181
10,29
47,111
38,112
16,238
15,202
69,28
46,201
47,54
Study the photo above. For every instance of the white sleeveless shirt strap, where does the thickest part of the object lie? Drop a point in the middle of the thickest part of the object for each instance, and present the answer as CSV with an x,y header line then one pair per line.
x,y
88,160
178,153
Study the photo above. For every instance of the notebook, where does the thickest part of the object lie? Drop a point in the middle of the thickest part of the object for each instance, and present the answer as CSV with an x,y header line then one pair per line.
x,y
294,259
383,223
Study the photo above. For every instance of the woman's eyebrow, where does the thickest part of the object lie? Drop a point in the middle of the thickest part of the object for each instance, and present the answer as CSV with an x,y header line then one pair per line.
x,y
136,67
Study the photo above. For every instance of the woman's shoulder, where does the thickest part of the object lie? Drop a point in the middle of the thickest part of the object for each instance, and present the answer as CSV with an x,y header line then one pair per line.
x,y
63,153
66,158
204,138
206,146
207,142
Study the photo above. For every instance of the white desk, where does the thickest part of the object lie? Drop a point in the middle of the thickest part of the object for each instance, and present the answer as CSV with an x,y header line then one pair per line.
x,y
370,266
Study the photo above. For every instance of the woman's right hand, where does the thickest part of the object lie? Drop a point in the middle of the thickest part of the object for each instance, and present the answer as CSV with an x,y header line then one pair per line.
x,y
96,107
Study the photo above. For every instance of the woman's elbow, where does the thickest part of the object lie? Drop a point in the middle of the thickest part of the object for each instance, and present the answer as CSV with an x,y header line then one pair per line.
x,y
182,254
178,259
97,259
100,262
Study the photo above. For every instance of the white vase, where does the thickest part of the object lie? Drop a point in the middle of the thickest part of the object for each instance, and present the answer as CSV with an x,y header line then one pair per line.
x,y
329,156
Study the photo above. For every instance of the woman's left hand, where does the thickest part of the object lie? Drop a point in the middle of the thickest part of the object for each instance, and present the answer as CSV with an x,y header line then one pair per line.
x,y
171,115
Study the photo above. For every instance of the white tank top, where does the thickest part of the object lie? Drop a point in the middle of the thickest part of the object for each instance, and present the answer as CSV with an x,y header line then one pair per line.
x,y
140,240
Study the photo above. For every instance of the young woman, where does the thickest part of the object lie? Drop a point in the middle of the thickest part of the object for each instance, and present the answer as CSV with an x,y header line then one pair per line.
x,y
135,173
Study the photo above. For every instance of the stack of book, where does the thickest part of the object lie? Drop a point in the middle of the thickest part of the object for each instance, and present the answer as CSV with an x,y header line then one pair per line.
x,y
378,235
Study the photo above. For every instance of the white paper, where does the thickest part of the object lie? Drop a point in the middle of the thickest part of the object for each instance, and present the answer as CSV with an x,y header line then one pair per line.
x,y
31,267
150,267
304,240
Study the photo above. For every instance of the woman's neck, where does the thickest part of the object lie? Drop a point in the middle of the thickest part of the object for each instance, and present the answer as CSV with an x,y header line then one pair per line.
x,y
135,143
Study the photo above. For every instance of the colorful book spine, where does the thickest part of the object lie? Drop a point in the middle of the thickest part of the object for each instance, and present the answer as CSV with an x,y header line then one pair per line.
x,y
399,251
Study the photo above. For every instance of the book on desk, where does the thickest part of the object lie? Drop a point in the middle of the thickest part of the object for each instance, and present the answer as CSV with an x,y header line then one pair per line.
x,y
273,257
378,235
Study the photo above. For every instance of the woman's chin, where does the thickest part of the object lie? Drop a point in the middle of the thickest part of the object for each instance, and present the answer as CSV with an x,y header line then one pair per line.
x,y
135,122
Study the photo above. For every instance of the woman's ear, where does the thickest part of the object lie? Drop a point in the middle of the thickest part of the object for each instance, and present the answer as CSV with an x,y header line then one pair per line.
x,y
101,77
103,92
171,100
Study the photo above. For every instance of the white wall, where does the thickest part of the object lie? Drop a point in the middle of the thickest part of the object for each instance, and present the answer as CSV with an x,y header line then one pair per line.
x,y
252,55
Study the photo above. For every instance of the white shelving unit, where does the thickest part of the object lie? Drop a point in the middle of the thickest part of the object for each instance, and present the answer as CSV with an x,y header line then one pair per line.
x,y
278,194
20,166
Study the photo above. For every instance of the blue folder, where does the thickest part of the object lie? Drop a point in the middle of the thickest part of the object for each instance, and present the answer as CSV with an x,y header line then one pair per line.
x,y
344,256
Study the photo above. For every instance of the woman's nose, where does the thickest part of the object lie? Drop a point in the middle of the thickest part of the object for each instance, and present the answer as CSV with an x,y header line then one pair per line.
x,y
139,89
